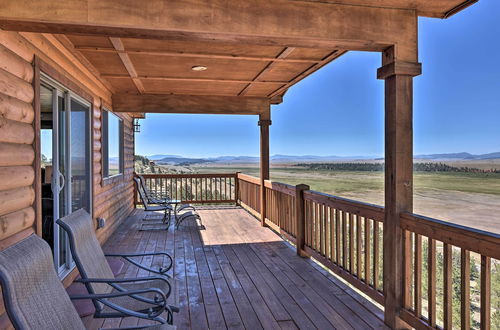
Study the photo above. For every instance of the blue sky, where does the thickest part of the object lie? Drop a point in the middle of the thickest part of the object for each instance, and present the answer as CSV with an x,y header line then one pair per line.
x,y
339,109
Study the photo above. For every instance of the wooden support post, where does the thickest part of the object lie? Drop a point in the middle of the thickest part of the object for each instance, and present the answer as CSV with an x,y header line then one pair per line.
x,y
237,188
300,217
264,123
398,76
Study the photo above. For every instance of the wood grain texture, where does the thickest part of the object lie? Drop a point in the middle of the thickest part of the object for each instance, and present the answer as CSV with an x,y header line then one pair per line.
x,y
280,22
195,104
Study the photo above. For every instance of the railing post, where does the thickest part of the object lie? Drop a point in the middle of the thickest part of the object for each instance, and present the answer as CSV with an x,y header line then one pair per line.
x,y
135,190
237,188
264,123
398,76
300,217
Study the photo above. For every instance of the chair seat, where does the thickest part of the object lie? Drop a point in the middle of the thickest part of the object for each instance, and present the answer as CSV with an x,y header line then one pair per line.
x,y
161,327
133,304
158,208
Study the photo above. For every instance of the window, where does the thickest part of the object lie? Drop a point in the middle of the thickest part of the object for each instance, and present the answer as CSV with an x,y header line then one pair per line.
x,y
112,144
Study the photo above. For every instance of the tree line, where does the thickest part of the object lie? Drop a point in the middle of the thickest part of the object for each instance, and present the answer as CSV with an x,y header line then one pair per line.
x,y
379,167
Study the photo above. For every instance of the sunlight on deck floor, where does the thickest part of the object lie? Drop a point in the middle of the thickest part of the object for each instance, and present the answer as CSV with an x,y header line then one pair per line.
x,y
232,273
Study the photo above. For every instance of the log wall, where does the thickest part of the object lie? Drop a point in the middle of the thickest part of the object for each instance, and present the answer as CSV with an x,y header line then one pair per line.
x,y
20,194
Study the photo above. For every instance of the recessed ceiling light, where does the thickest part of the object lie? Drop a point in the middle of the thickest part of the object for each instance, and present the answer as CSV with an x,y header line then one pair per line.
x,y
199,68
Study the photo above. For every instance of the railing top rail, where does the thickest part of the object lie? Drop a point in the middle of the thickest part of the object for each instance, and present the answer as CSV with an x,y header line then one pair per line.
x,y
472,239
248,178
281,187
189,175
371,211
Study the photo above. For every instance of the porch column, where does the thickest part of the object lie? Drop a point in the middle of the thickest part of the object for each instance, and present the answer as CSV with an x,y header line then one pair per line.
x,y
264,123
398,76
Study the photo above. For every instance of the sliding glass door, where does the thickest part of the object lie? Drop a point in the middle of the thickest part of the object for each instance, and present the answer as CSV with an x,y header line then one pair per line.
x,y
71,161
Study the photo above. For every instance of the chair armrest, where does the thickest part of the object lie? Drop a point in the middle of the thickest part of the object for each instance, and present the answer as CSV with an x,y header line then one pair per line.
x,y
118,294
120,280
159,271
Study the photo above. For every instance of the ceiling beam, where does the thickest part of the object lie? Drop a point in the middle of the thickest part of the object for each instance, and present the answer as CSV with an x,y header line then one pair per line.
x,y
278,23
199,55
192,104
118,45
307,72
284,53
164,78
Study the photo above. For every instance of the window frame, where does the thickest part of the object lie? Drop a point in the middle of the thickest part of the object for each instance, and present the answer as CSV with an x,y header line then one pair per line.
x,y
106,177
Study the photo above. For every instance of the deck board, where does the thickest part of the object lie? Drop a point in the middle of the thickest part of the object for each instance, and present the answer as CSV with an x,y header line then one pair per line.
x,y
234,274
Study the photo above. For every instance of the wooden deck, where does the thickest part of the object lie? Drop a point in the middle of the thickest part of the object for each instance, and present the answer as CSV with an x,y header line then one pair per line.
x,y
235,274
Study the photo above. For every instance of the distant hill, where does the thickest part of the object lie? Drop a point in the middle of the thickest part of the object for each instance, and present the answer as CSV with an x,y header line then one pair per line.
x,y
459,156
179,160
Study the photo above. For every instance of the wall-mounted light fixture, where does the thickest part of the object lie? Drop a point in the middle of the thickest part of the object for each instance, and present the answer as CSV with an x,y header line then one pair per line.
x,y
137,126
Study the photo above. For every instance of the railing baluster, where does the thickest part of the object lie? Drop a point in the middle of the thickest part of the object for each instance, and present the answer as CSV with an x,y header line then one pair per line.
x,y
485,292
351,243
333,237
418,275
447,286
465,288
345,250
337,227
367,250
376,251
359,231
431,286
407,263
322,230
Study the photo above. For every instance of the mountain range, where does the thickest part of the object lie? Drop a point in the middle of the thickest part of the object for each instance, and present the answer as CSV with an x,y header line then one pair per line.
x,y
180,160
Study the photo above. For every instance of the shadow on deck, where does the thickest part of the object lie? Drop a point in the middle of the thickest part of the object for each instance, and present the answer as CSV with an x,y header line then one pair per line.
x,y
235,274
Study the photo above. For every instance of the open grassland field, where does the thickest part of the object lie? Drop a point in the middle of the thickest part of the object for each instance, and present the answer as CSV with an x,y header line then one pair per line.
x,y
470,199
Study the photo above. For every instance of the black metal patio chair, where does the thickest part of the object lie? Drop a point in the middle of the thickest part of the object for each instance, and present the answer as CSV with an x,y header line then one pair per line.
x,y
181,211
163,198
34,296
98,277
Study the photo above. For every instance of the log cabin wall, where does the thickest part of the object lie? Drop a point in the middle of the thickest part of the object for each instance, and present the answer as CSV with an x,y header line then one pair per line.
x,y
20,194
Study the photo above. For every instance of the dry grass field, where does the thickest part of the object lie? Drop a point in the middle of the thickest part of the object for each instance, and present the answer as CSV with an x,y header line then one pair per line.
x,y
470,199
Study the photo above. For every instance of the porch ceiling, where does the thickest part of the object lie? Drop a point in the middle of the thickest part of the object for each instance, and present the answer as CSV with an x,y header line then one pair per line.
x,y
145,66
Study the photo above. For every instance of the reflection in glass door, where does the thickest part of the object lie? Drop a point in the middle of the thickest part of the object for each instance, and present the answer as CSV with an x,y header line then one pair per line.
x,y
71,160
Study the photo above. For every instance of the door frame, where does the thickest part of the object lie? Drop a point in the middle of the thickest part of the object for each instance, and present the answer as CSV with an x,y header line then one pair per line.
x,y
43,72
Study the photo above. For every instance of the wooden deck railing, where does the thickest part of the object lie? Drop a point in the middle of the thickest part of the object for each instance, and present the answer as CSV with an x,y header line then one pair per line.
x,y
343,235
446,253
346,236
442,287
194,188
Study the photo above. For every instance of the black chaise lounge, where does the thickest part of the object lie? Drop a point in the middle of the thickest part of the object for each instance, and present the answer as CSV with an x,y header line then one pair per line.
x,y
181,211
35,298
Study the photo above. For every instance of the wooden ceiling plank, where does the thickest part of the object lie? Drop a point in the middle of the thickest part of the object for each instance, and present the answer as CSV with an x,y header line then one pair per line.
x,y
287,51
63,39
118,45
200,55
307,72
236,81
192,104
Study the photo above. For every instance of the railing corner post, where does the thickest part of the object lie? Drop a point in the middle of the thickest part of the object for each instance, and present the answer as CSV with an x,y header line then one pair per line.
x,y
300,217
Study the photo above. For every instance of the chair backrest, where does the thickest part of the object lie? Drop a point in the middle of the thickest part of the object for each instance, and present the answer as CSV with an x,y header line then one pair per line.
x,y
34,297
142,192
145,187
87,251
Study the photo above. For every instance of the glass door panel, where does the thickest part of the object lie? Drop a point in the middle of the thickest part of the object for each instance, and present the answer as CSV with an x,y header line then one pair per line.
x,y
80,156
62,156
